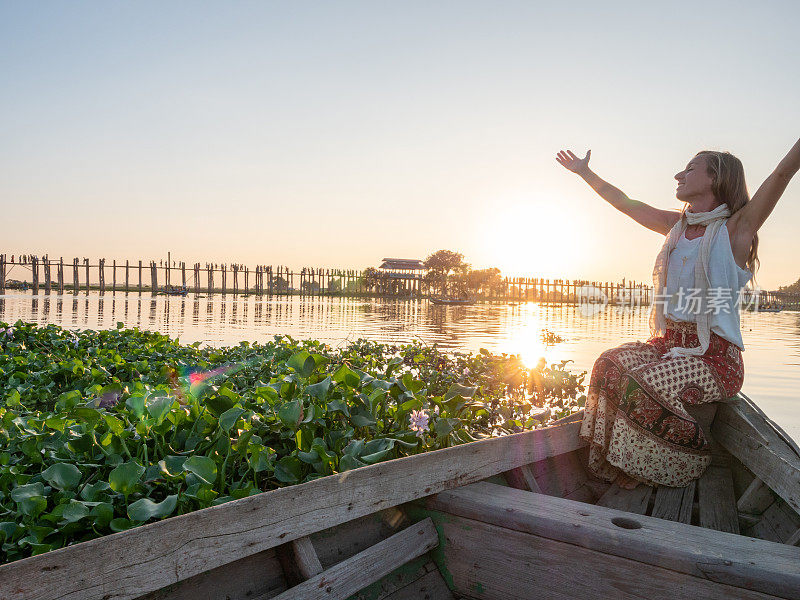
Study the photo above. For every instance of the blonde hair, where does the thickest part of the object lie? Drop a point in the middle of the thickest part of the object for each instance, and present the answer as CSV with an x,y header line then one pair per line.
x,y
729,187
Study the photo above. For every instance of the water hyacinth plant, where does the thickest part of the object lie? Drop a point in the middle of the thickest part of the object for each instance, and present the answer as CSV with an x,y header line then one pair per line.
x,y
101,431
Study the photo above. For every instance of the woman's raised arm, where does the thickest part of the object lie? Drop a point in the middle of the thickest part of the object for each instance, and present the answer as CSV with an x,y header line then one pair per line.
x,y
750,218
653,218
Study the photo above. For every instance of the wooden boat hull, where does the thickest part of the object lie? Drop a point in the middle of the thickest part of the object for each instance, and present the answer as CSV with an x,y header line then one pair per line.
x,y
509,517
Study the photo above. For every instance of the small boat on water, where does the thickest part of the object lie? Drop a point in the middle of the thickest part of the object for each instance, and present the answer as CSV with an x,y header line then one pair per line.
x,y
451,301
174,290
516,516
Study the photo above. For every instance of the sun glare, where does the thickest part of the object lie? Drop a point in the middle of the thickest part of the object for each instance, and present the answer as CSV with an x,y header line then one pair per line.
x,y
532,239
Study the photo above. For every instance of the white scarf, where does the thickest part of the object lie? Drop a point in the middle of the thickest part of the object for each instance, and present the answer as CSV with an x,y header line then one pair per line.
x,y
713,220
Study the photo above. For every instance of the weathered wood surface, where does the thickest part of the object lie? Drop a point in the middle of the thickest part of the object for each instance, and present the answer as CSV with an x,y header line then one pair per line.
x,y
489,561
634,500
756,498
183,546
760,449
299,560
359,571
419,578
674,504
337,543
703,553
559,475
716,500
257,576
522,478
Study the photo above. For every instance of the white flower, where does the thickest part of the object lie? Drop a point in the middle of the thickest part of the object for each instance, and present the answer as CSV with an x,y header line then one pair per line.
x,y
10,331
418,420
466,371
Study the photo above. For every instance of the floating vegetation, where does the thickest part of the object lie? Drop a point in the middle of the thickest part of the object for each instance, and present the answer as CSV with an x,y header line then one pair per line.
x,y
101,431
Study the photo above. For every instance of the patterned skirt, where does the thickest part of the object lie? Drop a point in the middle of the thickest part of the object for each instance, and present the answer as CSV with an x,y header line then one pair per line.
x,y
635,419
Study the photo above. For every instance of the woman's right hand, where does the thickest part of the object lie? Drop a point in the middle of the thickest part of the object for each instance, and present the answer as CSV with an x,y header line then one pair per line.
x,y
571,162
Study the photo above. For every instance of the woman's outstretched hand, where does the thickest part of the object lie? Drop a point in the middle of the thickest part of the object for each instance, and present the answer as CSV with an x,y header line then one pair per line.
x,y
569,161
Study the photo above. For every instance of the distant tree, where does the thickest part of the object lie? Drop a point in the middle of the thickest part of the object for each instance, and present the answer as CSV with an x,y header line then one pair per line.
x,y
487,280
372,278
441,264
791,289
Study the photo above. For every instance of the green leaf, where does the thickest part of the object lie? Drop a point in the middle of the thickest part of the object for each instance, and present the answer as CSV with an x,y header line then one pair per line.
x,y
347,376
159,408
30,498
228,419
120,524
136,405
291,413
289,469
62,476
362,420
75,511
115,425
459,390
302,362
348,462
145,509
124,479
319,390
202,466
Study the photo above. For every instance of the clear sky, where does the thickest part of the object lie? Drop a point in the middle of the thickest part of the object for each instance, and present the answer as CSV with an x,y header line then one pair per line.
x,y
337,133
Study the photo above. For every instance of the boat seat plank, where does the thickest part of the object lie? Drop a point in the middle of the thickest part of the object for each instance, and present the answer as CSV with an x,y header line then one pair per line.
x,y
674,504
717,501
359,571
486,561
634,500
717,556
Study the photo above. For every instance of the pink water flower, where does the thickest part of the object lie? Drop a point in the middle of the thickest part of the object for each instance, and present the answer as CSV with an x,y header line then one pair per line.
x,y
418,420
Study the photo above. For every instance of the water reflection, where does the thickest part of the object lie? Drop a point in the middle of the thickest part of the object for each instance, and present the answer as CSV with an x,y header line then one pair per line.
x,y
772,340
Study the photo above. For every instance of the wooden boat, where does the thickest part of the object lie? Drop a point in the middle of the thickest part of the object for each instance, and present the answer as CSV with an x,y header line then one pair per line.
x,y
507,517
451,301
174,290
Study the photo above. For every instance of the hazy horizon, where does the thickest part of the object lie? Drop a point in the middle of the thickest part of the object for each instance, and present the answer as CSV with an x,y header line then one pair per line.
x,y
335,135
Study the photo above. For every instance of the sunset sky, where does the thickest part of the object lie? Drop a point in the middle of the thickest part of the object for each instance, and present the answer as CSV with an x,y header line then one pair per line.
x,y
338,133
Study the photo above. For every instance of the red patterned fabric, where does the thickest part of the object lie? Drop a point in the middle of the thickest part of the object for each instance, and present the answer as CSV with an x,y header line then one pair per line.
x,y
635,419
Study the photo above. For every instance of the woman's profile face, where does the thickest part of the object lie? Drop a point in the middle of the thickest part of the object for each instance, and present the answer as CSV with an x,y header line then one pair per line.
x,y
694,182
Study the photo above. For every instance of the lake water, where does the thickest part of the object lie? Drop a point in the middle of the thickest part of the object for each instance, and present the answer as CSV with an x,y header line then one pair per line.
x,y
772,340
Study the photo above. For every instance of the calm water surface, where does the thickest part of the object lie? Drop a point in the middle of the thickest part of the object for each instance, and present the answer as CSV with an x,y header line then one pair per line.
x,y
772,340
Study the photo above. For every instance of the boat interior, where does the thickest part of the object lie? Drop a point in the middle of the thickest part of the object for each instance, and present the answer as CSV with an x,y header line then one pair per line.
x,y
510,517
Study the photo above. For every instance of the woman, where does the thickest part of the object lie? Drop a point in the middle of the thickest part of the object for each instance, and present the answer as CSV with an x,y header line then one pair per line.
x,y
636,422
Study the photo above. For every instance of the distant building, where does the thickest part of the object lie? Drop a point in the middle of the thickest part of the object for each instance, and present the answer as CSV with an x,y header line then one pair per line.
x,y
405,273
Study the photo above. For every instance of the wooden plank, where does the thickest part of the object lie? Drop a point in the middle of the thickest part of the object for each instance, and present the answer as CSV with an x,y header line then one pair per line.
x,y
783,520
257,576
419,578
335,544
634,500
299,560
716,500
770,461
756,498
559,475
488,561
522,479
674,504
430,586
183,546
357,572
703,553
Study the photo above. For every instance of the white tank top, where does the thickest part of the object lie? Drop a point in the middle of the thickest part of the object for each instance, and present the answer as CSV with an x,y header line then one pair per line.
x,y
726,282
